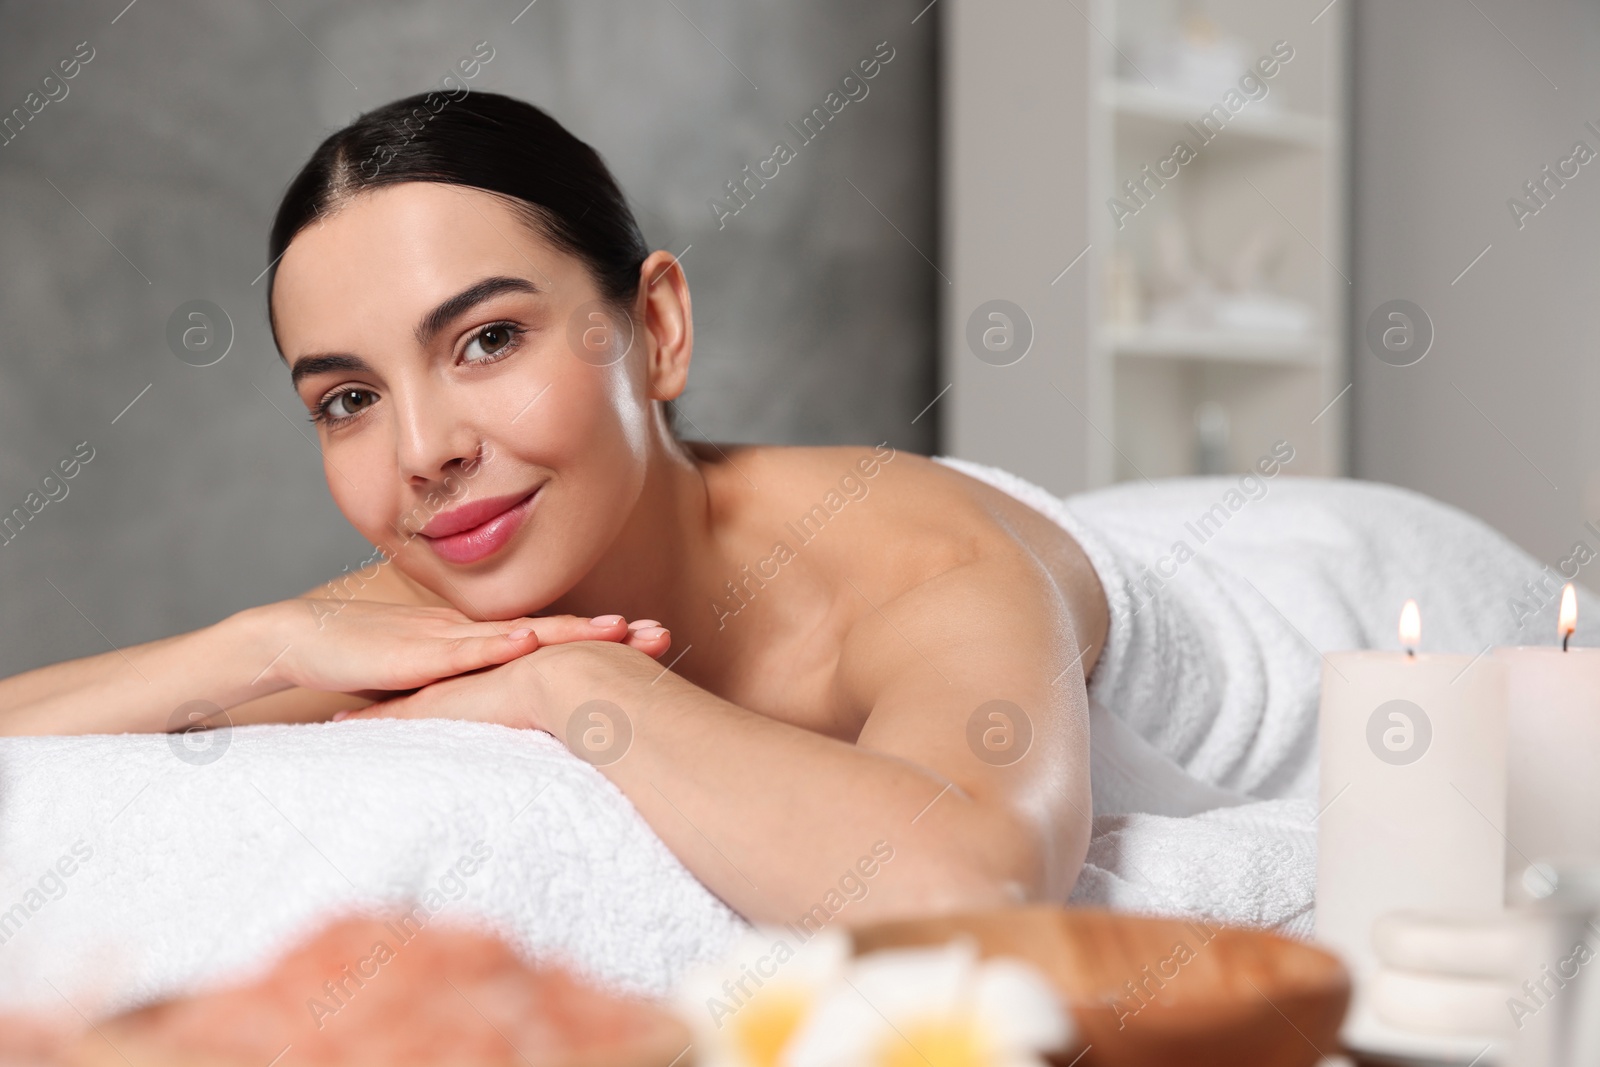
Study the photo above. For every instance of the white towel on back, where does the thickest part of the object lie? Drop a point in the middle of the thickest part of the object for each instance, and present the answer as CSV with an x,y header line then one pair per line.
x,y
1205,697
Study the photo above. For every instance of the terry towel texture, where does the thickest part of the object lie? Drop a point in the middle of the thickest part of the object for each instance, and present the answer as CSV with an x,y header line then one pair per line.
x,y
1224,594
200,871
1203,760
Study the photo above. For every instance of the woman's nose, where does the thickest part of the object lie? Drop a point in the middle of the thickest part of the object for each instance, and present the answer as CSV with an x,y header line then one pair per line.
x,y
431,438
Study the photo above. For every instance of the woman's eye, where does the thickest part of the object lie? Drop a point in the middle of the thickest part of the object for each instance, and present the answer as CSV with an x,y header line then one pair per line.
x,y
345,404
490,343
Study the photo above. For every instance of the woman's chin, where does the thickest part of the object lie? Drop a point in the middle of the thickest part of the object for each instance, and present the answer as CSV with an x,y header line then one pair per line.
x,y
502,595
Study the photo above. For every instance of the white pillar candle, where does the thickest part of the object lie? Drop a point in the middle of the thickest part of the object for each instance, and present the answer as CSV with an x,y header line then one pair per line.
x,y
1413,795
1553,750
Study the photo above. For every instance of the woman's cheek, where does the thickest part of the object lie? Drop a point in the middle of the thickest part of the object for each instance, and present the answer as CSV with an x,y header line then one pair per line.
x,y
603,449
595,420
366,500
630,412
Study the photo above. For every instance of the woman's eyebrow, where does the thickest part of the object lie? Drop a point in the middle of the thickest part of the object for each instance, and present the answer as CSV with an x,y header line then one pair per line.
x,y
308,365
476,293
431,324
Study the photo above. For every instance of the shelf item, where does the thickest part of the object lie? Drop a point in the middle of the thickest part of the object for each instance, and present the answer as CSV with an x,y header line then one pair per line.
x,y
1144,109
1228,346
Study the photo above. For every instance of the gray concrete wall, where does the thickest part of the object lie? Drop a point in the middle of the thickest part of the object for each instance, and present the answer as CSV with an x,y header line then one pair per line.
x,y
153,180
1456,107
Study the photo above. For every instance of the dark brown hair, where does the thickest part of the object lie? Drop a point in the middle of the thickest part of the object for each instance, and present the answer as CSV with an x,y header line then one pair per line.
x,y
560,185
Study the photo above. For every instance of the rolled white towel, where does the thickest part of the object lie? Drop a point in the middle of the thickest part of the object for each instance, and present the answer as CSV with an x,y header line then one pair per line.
x,y
1495,945
1443,1004
1516,977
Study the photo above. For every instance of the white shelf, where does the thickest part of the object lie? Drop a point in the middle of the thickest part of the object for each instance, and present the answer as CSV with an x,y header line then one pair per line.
x,y
1223,346
1262,207
1142,108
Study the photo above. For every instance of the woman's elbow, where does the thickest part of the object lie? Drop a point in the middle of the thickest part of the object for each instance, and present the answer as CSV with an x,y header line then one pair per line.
x,y
991,870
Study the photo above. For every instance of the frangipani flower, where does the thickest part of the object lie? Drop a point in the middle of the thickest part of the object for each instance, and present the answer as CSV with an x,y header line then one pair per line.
x,y
744,1010
934,1006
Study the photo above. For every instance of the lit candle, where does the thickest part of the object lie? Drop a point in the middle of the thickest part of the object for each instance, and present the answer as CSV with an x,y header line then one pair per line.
x,y
1553,753
1413,796
1410,628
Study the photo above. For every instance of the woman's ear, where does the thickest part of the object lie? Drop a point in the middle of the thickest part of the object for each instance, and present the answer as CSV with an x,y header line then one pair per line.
x,y
664,297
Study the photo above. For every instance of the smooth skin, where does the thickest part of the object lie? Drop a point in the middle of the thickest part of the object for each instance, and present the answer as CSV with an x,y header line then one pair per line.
x,y
772,747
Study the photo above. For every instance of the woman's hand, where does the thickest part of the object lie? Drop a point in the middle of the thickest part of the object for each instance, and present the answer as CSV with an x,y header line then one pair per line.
x,y
522,693
374,649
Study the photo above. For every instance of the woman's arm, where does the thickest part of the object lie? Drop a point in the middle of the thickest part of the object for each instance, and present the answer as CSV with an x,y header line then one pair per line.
x,y
778,820
299,646
84,683
134,689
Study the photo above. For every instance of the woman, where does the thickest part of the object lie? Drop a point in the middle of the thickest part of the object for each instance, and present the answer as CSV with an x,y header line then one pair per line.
x,y
489,352
859,652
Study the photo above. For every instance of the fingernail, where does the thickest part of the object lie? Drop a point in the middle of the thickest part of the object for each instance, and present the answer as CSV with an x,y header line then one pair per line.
x,y
339,716
518,635
605,620
650,632
639,624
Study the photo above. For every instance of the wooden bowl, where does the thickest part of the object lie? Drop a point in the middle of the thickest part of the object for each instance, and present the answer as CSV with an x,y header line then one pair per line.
x,y
1160,991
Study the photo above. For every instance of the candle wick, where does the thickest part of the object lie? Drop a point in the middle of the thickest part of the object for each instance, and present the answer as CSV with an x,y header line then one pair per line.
x,y
1411,652
1564,639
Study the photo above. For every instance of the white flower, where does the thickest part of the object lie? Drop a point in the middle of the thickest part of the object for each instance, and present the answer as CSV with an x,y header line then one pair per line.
x,y
934,1006
744,1010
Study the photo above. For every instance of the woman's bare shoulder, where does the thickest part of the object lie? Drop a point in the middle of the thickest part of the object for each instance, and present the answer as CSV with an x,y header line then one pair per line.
x,y
888,518
805,474
913,520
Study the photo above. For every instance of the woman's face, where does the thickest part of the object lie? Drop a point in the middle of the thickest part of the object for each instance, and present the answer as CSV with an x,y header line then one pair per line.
x,y
482,418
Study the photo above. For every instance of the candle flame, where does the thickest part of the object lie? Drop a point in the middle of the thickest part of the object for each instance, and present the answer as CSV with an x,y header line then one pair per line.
x,y
1410,626
1569,611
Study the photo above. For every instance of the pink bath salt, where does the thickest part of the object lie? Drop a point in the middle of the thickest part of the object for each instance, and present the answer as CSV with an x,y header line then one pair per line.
x,y
368,991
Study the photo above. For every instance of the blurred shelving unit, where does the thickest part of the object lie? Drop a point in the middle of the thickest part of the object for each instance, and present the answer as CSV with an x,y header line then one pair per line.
x,y
1141,108
1222,346
1205,319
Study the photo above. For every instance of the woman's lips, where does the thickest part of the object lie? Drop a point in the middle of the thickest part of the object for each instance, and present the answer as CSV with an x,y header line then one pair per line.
x,y
496,522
